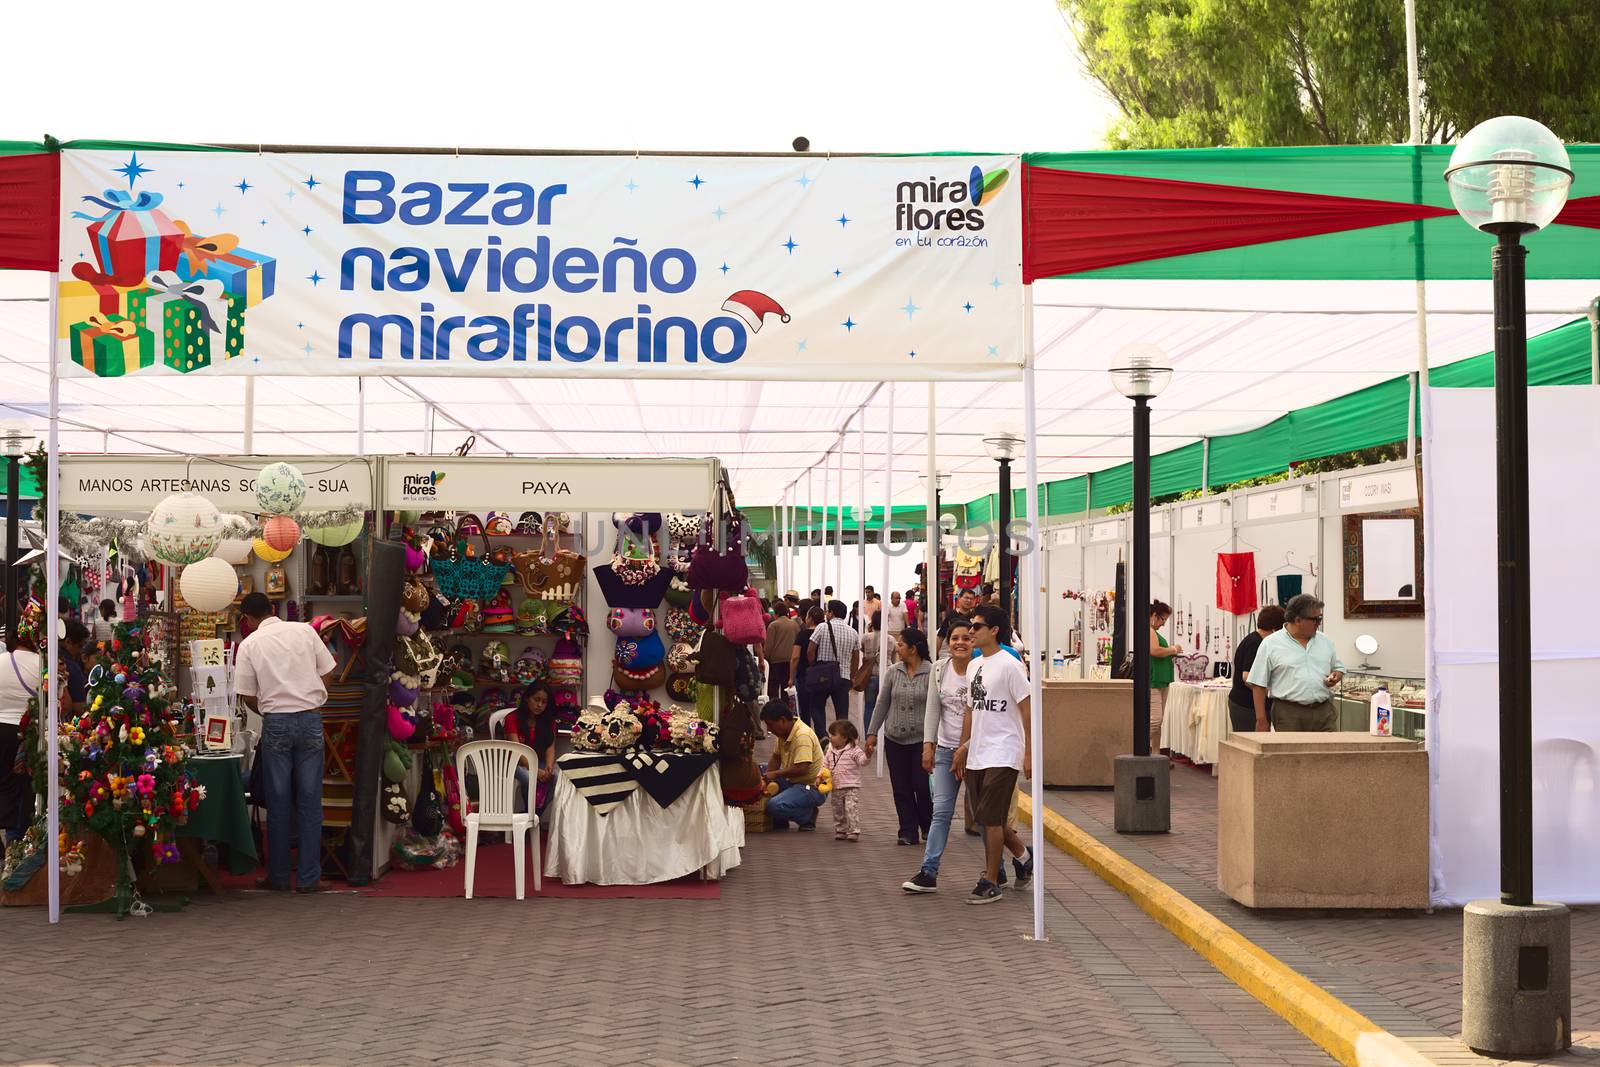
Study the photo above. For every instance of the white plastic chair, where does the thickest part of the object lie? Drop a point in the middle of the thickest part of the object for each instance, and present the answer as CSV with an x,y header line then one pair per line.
x,y
497,721
494,764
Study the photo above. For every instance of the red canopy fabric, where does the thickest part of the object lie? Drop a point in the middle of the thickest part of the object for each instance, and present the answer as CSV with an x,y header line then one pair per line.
x,y
1078,221
30,222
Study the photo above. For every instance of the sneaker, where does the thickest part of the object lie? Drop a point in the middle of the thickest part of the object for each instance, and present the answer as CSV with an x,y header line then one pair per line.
x,y
1002,882
985,892
807,826
921,882
906,839
1024,869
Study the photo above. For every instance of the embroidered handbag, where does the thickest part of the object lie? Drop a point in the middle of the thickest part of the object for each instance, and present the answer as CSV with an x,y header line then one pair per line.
x,y
550,571
467,572
680,659
631,622
637,652
678,592
631,581
742,620
726,569
680,627
682,686
635,681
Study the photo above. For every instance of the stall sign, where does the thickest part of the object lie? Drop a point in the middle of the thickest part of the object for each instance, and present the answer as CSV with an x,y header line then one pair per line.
x,y
1203,515
1275,504
110,485
1386,489
517,484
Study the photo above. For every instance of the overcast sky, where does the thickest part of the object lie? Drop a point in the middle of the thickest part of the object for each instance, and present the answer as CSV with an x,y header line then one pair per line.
x,y
852,75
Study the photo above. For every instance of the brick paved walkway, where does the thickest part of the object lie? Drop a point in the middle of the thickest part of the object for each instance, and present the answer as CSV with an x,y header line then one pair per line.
x,y
1400,969
813,954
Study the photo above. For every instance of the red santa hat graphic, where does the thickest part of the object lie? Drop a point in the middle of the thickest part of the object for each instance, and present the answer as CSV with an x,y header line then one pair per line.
x,y
753,308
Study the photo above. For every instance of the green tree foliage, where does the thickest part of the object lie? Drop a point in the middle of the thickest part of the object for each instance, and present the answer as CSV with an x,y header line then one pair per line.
x,y
1201,73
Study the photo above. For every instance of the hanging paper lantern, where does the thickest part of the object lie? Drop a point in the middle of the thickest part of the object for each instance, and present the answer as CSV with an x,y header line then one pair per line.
x,y
269,554
281,532
280,489
335,536
183,528
234,550
209,585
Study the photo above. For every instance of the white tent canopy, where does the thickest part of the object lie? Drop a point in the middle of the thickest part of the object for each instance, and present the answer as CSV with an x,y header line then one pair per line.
x,y
1243,353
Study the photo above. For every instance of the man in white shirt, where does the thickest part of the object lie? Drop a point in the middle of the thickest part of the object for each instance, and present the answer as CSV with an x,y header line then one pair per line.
x,y
894,617
281,670
996,745
835,642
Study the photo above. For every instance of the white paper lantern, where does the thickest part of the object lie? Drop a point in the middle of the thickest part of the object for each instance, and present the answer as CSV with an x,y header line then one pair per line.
x,y
209,585
280,489
234,550
183,528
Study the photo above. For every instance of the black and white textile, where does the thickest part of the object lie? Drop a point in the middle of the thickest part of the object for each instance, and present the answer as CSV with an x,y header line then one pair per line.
x,y
601,778
665,775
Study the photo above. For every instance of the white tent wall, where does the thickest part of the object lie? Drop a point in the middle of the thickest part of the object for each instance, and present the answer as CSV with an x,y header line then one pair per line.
x,y
1463,734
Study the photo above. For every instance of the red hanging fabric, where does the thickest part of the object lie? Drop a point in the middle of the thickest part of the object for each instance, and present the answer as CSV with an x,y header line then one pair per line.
x,y
1584,211
30,212
1236,582
1078,221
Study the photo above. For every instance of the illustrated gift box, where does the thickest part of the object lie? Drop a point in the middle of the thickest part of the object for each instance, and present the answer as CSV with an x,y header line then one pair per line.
x,y
242,272
111,345
77,300
132,238
195,320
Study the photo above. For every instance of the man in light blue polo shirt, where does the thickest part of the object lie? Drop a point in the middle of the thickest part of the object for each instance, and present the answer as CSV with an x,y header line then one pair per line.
x,y
1298,668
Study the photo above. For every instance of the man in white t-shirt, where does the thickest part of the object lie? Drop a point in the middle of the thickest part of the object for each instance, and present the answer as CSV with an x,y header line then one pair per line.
x,y
996,745
894,617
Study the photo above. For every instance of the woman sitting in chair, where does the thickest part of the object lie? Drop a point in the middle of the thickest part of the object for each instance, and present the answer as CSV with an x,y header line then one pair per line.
x,y
533,723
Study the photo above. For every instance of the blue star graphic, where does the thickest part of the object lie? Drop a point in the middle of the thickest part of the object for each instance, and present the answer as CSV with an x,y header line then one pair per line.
x,y
631,186
790,244
837,272
805,179
843,219
994,350
724,268
719,213
997,282
910,309
913,355
313,277
306,231
307,348
311,182
244,186
180,185
291,192
967,307
849,324
263,222
697,182
255,359
800,347
219,210
299,325
133,170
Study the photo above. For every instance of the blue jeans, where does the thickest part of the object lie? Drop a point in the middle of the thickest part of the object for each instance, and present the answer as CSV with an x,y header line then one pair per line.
x,y
291,768
869,701
945,789
794,803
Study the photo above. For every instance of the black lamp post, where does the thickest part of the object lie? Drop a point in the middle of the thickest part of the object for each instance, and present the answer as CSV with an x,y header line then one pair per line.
x,y
1142,799
1510,176
15,441
1003,446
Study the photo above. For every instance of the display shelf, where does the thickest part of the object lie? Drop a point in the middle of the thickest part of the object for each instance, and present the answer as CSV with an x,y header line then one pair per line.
x,y
1409,702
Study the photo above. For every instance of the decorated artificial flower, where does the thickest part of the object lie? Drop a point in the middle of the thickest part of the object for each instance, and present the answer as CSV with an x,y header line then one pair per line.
x,y
147,784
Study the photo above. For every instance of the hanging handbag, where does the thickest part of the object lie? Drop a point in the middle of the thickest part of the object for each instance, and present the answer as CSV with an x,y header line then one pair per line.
x,y
637,652
682,686
725,569
637,681
678,593
631,622
468,573
715,662
680,627
743,622
746,674
550,572
633,581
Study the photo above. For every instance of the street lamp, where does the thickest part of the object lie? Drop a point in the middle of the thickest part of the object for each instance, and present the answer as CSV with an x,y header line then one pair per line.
x,y
1510,176
1140,371
14,442
941,481
1004,444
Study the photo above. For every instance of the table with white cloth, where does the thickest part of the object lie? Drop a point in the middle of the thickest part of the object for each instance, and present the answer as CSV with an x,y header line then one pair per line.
x,y
1195,721
618,833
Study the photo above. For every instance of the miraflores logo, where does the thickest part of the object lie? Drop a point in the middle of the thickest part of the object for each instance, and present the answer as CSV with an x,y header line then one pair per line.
x,y
947,204
413,486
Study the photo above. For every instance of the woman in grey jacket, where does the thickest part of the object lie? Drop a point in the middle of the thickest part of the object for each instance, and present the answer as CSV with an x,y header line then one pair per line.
x,y
901,707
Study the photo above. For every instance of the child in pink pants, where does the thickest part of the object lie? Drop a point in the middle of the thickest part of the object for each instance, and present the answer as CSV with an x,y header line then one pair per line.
x,y
844,760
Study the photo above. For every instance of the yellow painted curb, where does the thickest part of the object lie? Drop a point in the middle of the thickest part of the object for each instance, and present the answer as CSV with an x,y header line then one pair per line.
x,y
1342,1032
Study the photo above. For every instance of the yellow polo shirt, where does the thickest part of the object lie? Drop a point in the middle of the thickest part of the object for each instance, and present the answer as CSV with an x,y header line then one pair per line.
x,y
801,746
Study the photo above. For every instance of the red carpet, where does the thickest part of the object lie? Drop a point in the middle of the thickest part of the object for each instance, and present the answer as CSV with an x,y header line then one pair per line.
x,y
496,877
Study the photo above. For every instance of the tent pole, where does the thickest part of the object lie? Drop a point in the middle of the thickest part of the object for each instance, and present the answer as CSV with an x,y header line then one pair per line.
x,y
1205,465
1414,95
930,569
250,415
427,430
811,506
822,564
886,543
361,416
861,521
52,599
838,526
1594,341
1033,607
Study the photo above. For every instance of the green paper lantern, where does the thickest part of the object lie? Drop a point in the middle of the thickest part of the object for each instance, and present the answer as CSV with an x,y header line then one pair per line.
x,y
335,536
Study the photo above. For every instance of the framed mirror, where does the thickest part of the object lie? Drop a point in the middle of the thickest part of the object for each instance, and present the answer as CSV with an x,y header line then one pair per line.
x,y
1383,564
